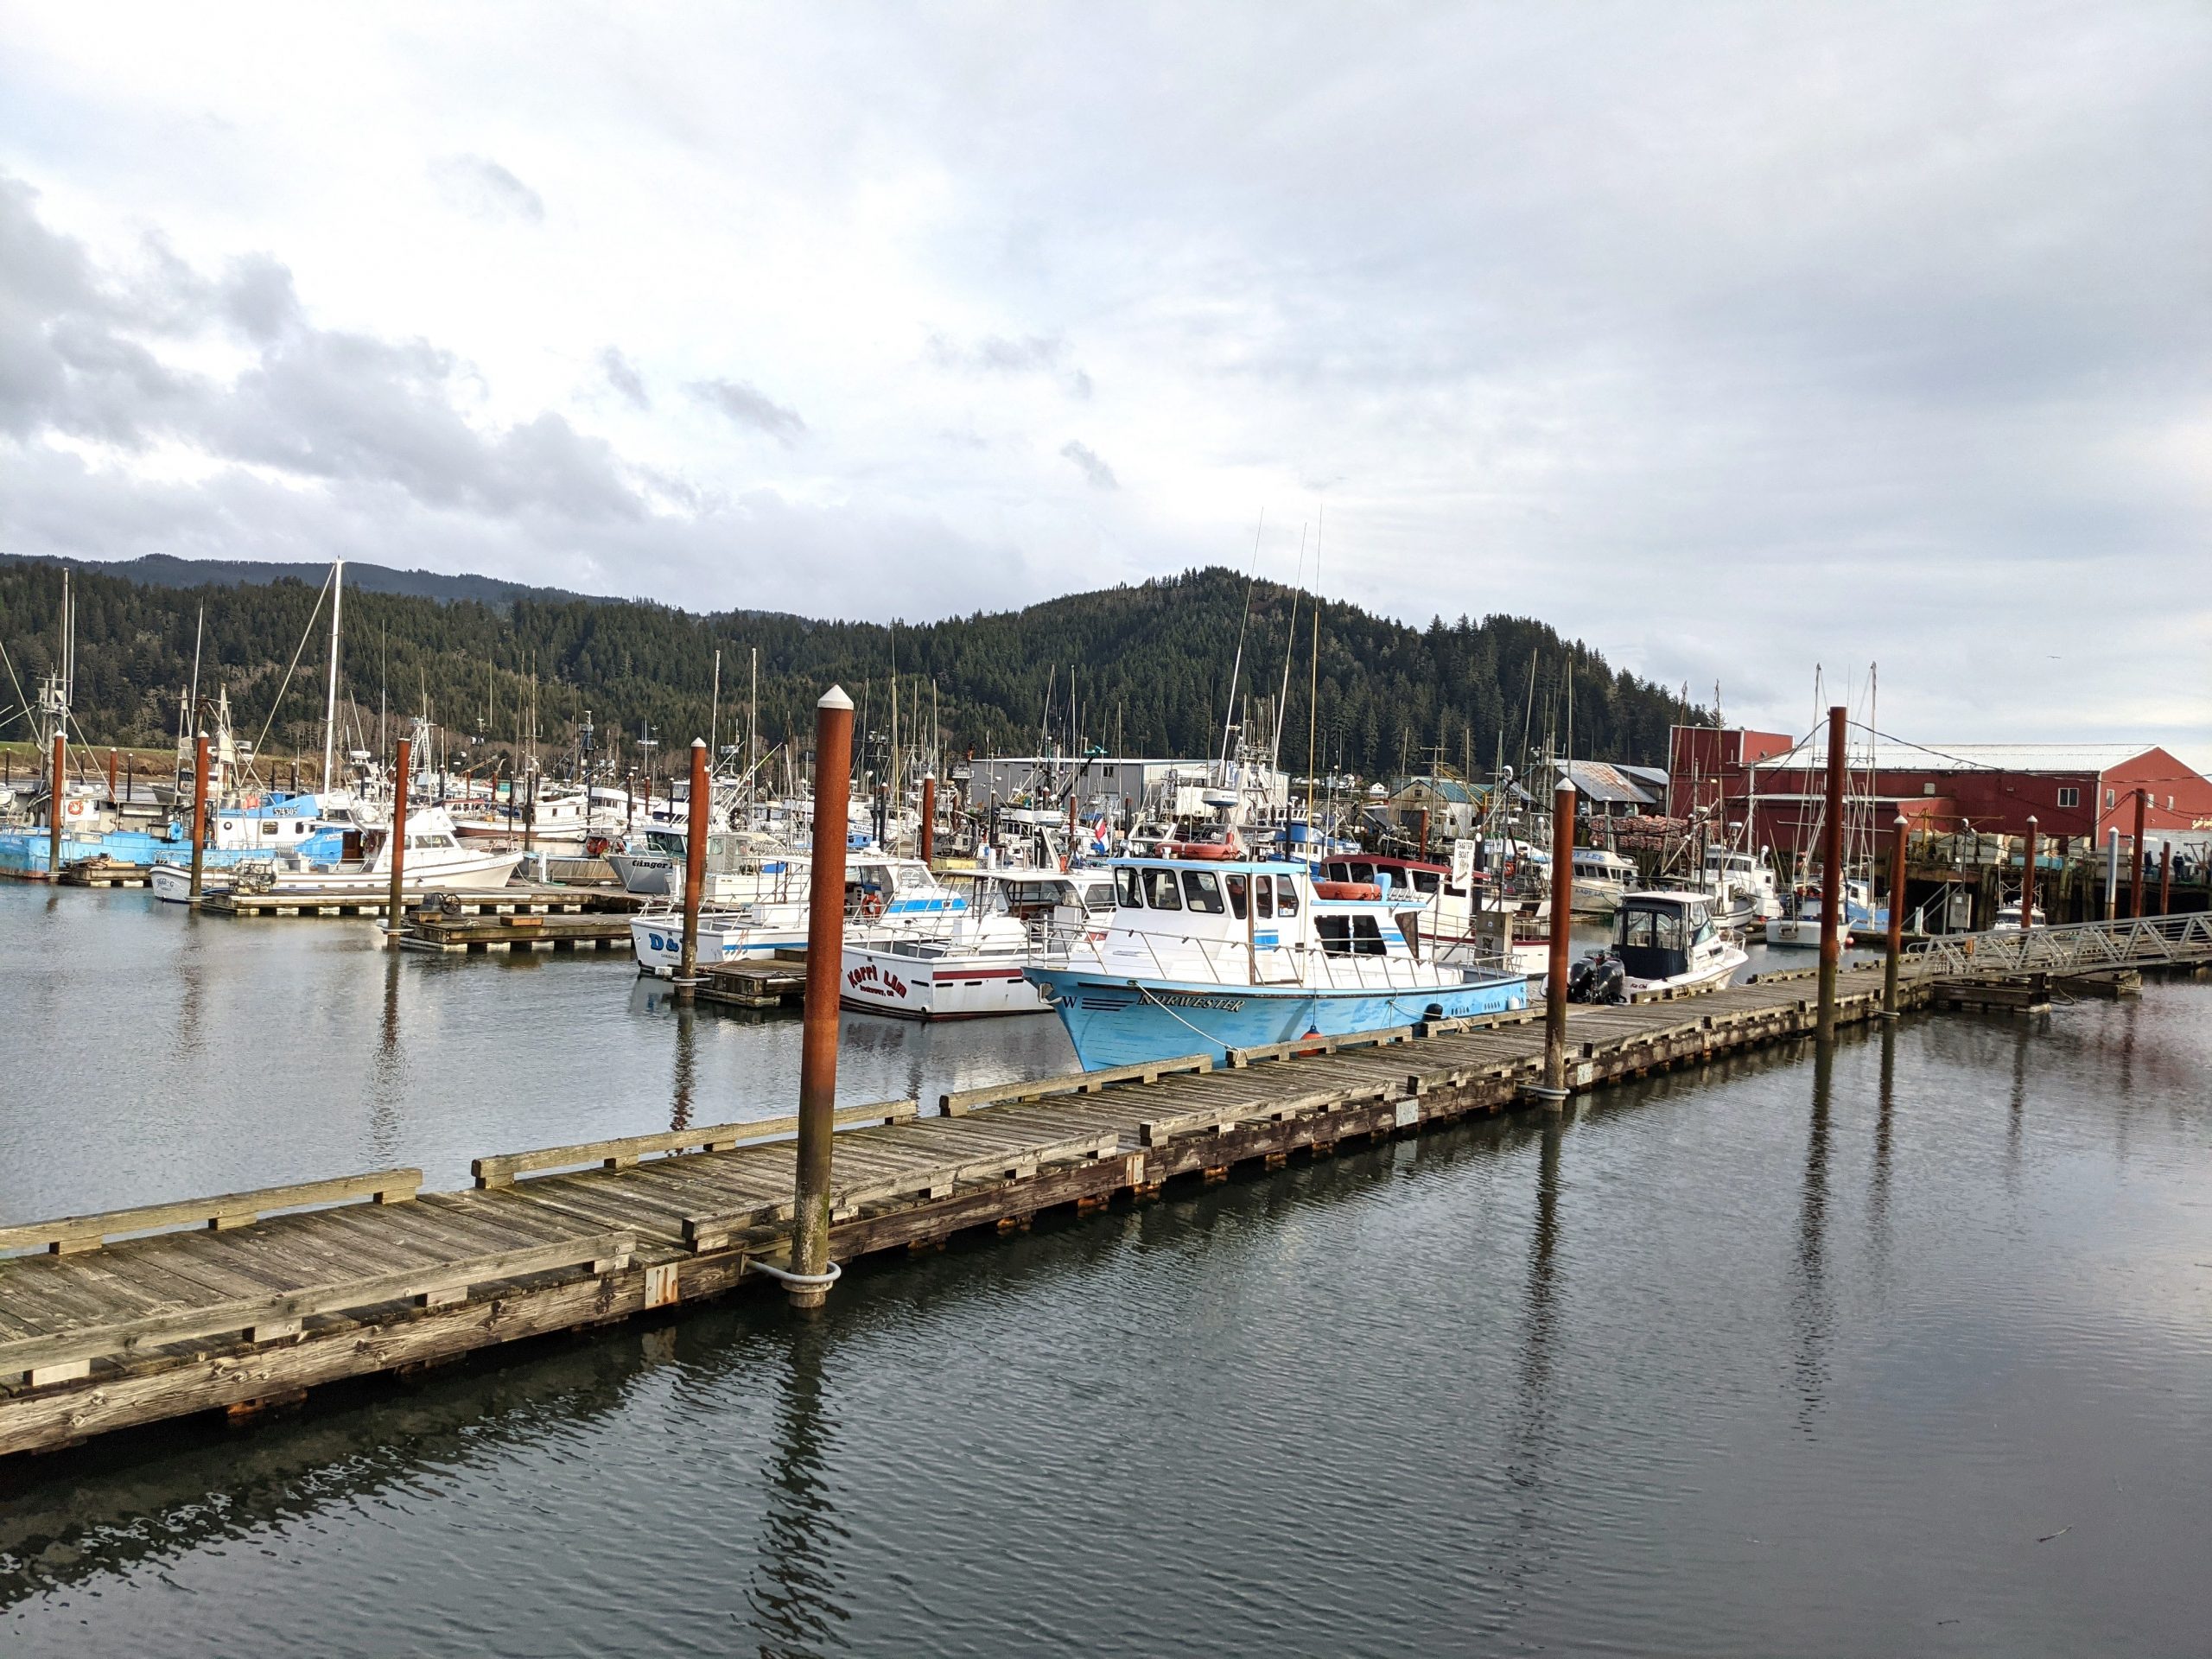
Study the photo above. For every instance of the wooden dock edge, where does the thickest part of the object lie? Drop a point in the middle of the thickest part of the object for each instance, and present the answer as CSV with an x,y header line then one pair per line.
x,y
342,1347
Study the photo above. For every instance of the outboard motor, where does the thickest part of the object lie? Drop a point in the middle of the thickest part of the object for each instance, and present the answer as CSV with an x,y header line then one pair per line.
x,y
1597,978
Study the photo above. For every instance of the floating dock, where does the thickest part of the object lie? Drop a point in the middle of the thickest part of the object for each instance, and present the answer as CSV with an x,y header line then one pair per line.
x,y
446,902
106,872
248,1308
757,982
509,930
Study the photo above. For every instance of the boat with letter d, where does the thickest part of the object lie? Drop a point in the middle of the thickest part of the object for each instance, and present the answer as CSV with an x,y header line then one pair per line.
x,y
1208,952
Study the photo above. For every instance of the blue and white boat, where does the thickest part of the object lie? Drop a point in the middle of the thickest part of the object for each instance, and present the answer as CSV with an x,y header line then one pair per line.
x,y
1205,954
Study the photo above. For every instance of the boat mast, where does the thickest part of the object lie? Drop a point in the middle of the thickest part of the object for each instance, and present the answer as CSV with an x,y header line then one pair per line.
x,y
330,697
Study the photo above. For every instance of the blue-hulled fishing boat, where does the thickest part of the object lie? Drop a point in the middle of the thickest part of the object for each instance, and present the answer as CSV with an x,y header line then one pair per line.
x,y
1208,952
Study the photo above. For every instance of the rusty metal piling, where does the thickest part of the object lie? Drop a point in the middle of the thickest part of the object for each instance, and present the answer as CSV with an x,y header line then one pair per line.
x,y
199,813
694,869
395,915
1832,916
812,1273
1897,831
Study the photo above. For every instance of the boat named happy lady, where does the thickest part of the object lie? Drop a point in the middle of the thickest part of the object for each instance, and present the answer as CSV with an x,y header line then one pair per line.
x,y
1206,951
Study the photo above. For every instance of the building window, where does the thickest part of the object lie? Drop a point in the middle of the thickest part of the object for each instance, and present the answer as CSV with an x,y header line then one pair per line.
x,y
2111,800
1928,789
2069,798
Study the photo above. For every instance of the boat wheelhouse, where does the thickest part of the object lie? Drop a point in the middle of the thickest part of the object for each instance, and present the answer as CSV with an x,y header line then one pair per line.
x,y
1602,878
1205,954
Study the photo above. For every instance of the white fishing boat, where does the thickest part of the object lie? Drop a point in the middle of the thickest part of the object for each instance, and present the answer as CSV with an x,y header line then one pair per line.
x,y
970,963
741,865
1602,879
346,860
882,894
1800,928
2008,919
1665,941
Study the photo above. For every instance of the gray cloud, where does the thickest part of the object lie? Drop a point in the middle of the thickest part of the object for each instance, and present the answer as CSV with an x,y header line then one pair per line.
x,y
747,405
622,375
997,354
479,186
1096,472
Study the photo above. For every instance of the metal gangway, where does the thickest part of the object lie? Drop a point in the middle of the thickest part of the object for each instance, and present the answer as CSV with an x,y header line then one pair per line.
x,y
2083,948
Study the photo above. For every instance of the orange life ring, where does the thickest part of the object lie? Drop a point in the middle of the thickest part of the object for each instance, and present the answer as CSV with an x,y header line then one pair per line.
x,y
75,807
871,904
1208,851
1347,890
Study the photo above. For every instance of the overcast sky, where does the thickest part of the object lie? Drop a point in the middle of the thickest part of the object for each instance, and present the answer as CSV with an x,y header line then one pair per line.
x,y
1734,340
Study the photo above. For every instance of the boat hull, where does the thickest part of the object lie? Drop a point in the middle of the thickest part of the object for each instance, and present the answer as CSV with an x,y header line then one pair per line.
x,y
1115,1021
950,986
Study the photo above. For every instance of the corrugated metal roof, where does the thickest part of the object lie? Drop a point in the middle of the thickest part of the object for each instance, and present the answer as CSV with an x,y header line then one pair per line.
x,y
1607,784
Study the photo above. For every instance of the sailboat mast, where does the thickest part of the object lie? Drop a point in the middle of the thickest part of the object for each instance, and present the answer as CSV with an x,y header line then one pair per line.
x,y
330,697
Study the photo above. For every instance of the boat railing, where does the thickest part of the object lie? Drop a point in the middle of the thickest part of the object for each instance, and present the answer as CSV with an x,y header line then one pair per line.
x,y
1229,963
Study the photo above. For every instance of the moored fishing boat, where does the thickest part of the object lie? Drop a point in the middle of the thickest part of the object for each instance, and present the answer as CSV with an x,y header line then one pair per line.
x,y
1207,954
332,858
882,894
1665,941
1799,927
971,964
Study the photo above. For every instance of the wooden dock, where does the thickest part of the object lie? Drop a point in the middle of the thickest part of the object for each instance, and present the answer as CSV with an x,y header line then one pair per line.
x,y
103,1332
450,902
756,981
105,873
481,934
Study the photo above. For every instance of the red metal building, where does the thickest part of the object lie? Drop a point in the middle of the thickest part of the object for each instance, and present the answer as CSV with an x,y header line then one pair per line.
x,y
2076,789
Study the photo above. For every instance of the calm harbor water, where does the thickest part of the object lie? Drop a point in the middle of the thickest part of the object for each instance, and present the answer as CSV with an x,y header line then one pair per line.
x,y
1906,1352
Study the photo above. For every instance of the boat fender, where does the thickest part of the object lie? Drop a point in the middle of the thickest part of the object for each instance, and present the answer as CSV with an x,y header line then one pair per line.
x,y
1347,890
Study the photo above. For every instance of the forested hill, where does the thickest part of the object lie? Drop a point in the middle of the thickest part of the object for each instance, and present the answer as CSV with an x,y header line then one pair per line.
x,y
1150,666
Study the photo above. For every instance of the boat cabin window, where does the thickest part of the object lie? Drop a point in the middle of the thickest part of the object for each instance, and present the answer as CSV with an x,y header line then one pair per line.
x,y
1367,937
269,826
1335,933
1426,881
1160,891
1286,896
426,843
1202,891
1127,887
1263,898
1097,896
1650,929
1235,883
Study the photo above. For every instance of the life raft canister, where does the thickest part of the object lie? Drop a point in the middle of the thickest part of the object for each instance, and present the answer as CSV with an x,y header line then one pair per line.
x,y
1347,890
1206,851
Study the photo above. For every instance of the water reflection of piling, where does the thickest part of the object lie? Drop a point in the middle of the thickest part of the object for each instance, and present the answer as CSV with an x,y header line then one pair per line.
x,y
687,1066
1877,1191
1812,1242
793,1588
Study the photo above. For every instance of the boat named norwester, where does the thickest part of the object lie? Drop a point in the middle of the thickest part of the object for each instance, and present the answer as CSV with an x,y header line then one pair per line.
x,y
1207,953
